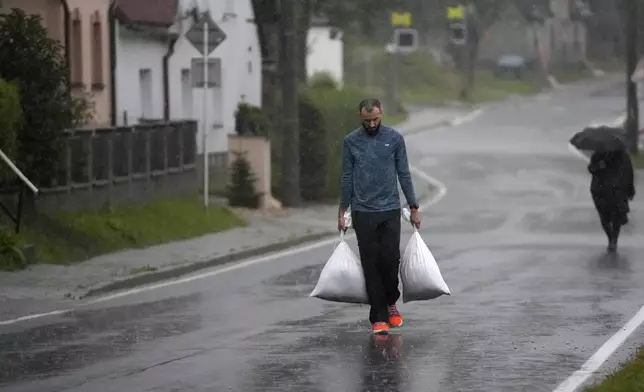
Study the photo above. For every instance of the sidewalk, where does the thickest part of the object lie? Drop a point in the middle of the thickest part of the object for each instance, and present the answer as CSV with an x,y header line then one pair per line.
x,y
45,287
424,119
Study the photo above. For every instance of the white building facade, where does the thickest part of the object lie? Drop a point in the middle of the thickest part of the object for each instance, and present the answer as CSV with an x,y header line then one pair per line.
x,y
154,75
325,51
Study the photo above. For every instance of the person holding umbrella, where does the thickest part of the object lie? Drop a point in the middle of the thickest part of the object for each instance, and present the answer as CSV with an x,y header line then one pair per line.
x,y
612,184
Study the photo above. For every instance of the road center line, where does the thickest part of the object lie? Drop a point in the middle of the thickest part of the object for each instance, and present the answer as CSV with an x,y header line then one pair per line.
x,y
466,118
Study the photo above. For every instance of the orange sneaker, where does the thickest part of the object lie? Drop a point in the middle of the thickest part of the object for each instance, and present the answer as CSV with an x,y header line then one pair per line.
x,y
395,319
380,328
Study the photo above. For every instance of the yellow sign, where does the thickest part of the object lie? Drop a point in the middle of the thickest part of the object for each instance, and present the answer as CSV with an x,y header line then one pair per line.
x,y
455,13
401,19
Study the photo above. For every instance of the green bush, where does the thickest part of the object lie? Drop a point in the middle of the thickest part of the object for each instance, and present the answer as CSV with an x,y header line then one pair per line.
x,y
241,190
418,75
251,121
313,151
11,256
10,118
323,80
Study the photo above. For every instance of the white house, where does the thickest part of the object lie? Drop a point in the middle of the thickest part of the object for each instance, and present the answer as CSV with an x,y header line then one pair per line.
x,y
325,50
154,58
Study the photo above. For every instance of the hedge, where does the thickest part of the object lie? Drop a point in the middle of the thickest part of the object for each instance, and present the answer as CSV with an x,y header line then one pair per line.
x,y
326,115
339,113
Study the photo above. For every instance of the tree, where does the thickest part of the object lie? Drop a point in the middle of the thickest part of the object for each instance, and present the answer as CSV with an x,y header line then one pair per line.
x,y
241,190
35,61
10,118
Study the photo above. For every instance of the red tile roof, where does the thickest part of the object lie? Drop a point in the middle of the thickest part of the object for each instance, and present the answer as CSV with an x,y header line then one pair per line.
x,y
150,12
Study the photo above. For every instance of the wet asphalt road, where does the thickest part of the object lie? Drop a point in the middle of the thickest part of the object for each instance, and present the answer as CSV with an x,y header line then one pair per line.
x,y
517,239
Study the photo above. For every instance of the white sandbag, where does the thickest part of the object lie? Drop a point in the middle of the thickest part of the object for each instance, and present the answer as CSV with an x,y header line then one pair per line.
x,y
420,276
342,278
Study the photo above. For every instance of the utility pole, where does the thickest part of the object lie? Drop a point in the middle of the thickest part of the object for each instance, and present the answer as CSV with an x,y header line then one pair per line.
x,y
288,64
405,40
391,83
459,26
632,105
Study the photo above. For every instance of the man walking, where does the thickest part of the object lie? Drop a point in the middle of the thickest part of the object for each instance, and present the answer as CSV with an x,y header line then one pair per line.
x,y
374,157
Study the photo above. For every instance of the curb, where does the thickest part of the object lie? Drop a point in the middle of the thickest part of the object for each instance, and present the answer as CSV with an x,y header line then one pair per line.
x,y
422,128
170,273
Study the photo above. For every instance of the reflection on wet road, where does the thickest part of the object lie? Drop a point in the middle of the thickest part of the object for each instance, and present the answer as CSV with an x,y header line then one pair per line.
x,y
533,293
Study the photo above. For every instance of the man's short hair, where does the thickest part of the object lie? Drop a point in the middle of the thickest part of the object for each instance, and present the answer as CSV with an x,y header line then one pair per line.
x,y
369,105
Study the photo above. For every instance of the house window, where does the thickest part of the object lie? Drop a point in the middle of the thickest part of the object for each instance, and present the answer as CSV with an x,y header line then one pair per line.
x,y
186,94
145,90
76,50
250,67
97,53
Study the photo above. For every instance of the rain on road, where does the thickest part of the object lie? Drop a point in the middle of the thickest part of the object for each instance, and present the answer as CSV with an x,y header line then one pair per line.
x,y
518,242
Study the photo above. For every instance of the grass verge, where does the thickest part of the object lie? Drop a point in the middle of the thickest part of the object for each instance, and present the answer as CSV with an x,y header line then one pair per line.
x,y
69,237
630,377
422,81
487,88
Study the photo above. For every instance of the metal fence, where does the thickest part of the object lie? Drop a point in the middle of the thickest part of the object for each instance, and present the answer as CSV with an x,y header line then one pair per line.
x,y
109,166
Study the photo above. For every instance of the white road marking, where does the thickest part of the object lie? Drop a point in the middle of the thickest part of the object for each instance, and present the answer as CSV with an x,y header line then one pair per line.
x,y
442,189
238,265
456,121
605,351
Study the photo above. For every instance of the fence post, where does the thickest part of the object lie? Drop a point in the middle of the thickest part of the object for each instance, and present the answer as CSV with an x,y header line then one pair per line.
x,y
181,130
68,166
148,157
129,153
110,169
166,138
90,159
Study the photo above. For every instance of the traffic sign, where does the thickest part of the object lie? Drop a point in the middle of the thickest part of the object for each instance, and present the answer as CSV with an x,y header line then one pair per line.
x,y
401,19
458,33
406,40
196,34
455,13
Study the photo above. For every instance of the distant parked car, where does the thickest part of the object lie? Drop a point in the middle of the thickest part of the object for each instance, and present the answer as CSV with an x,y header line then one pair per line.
x,y
510,65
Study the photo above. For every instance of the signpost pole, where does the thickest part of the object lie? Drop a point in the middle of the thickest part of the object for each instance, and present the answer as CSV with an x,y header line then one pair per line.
x,y
205,36
206,165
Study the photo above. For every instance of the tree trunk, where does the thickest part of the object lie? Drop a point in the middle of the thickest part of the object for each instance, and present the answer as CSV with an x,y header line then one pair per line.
x,y
266,21
290,122
270,80
303,25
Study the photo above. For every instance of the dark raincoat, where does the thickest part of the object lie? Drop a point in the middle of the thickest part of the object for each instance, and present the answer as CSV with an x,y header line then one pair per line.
x,y
612,185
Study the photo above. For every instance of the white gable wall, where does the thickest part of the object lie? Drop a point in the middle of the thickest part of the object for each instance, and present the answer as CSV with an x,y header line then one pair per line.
x,y
135,52
240,48
241,71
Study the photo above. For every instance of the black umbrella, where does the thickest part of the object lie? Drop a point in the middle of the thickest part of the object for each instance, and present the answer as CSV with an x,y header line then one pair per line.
x,y
600,139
